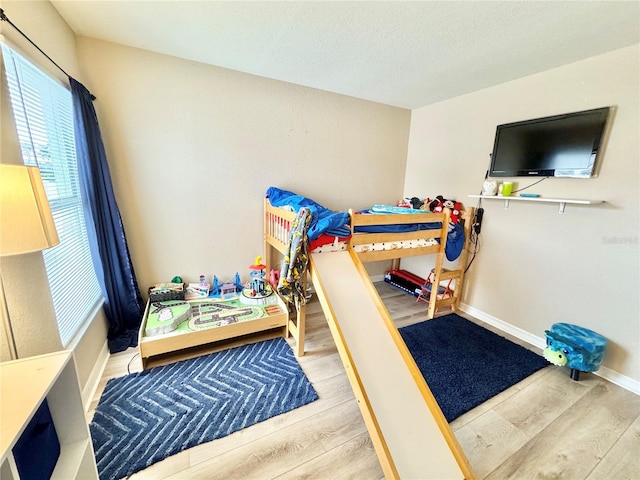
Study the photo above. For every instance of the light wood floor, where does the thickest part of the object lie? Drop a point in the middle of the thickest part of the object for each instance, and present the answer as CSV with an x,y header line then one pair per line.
x,y
546,427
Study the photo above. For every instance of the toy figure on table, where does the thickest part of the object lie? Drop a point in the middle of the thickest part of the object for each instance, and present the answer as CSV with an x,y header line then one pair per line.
x,y
258,289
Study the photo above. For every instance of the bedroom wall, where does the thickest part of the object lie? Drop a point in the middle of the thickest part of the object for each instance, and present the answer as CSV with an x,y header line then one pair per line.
x,y
193,148
24,276
537,267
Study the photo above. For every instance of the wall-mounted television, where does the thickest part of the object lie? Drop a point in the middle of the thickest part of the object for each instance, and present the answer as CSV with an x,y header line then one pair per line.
x,y
559,146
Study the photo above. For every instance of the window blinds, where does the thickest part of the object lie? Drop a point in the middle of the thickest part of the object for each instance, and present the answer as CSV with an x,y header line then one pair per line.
x,y
43,113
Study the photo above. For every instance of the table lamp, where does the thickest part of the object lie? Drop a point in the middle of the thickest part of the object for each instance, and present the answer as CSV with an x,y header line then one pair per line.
x,y
26,223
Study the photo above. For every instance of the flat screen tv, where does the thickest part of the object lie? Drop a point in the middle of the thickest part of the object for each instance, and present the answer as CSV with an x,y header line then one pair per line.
x,y
560,146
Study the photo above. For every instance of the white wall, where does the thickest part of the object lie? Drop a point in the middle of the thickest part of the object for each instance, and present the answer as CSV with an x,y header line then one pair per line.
x,y
193,149
537,267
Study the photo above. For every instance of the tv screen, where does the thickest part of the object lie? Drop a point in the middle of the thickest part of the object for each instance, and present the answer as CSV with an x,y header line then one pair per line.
x,y
559,146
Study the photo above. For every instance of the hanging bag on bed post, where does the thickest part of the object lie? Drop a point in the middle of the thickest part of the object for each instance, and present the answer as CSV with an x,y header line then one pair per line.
x,y
291,284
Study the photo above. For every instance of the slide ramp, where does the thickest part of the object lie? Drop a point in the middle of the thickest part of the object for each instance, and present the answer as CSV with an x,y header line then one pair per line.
x,y
409,432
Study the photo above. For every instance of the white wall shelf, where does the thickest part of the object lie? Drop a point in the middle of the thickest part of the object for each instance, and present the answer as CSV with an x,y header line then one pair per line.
x,y
562,202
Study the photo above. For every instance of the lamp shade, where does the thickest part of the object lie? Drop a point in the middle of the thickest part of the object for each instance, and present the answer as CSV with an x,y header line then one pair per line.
x,y
26,223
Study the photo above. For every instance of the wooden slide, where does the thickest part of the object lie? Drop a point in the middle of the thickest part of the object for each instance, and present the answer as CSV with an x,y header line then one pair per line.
x,y
410,434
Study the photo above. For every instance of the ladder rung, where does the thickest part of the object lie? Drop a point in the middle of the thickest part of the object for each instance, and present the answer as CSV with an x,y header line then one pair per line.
x,y
427,287
445,302
449,274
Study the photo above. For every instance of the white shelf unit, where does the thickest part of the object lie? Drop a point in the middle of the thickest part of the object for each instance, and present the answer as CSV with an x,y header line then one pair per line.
x,y
562,202
24,384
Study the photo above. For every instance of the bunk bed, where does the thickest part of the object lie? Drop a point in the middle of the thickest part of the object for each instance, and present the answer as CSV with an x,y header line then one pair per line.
x,y
410,435
372,237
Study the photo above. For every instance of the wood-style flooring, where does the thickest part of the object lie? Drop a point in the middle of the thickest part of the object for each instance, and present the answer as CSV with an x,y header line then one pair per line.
x,y
546,427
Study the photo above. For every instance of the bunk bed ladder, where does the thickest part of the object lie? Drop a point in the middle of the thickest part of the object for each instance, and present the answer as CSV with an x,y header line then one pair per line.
x,y
439,274
437,269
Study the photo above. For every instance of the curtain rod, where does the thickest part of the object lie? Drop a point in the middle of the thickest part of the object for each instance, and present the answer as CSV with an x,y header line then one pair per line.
x,y
4,18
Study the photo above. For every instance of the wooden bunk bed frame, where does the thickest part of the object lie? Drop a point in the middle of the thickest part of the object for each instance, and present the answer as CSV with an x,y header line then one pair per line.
x,y
276,233
440,274
404,421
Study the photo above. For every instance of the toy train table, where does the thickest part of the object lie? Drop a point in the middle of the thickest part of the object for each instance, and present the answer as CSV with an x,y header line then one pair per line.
x,y
175,325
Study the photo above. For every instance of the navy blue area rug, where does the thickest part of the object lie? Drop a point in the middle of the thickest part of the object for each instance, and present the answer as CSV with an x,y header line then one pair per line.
x,y
465,364
145,417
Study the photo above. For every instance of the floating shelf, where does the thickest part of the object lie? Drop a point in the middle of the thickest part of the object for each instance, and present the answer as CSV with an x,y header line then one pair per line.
x,y
562,202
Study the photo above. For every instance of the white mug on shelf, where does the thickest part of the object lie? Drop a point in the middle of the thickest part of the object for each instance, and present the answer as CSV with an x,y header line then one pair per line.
x,y
489,187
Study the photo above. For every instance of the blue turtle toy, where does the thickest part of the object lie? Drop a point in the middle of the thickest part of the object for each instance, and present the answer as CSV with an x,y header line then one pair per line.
x,y
579,348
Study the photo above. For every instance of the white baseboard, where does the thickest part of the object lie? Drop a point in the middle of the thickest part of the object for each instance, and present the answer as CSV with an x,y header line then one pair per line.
x,y
505,327
540,342
91,386
619,379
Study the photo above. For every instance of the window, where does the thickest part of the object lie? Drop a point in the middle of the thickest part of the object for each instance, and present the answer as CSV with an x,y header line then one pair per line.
x,y
43,113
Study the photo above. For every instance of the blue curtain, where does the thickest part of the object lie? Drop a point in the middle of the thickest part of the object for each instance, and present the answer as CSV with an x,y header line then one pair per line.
x,y
123,303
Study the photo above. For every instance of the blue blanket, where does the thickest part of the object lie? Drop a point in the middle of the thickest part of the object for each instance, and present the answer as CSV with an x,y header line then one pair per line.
x,y
323,220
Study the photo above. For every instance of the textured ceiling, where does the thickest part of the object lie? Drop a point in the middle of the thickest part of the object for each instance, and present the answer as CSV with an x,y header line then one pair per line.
x,y
407,54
